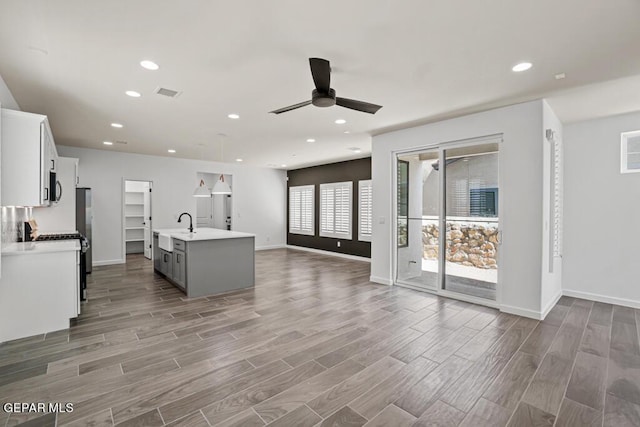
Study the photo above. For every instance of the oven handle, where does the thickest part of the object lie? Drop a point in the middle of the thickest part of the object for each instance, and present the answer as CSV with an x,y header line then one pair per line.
x,y
59,191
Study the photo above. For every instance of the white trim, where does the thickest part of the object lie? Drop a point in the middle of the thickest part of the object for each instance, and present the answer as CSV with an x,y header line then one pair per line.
x,y
380,280
338,254
602,298
524,312
266,248
551,304
108,262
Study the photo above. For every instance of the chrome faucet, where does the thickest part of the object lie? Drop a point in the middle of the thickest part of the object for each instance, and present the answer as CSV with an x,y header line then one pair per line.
x,y
190,220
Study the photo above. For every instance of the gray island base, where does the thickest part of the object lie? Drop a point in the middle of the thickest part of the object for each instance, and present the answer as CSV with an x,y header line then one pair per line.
x,y
206,262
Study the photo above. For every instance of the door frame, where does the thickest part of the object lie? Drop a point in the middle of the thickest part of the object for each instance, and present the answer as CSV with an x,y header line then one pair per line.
x,y
123,219
441,147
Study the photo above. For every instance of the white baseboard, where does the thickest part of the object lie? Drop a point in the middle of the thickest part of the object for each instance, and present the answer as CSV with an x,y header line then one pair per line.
x,y
551,304
108,262
601,298
266,248
524,312
319,251
381,280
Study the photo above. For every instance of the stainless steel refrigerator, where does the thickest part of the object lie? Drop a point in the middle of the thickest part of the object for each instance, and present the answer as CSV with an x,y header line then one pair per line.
x,y
84,217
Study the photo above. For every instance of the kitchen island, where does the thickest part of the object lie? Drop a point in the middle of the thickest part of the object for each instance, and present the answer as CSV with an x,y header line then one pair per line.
x,y
207,261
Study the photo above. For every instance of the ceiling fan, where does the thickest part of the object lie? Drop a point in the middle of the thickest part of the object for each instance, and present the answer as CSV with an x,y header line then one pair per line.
x,y
324,96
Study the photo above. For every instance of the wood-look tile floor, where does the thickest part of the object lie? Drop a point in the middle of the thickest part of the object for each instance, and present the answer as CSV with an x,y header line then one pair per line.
x,y
315,343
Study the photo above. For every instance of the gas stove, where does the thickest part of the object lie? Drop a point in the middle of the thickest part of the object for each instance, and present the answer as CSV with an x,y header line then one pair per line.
x,y
59,236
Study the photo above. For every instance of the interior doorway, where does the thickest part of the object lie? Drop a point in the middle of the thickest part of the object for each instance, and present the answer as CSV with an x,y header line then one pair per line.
x,y
447,219
214,211
137,217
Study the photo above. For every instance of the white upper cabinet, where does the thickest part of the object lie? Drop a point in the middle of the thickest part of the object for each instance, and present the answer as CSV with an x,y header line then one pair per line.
x,y
29,156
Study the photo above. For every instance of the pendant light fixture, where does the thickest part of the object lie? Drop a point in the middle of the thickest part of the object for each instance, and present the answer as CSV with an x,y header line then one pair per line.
x,y
221,187
201,190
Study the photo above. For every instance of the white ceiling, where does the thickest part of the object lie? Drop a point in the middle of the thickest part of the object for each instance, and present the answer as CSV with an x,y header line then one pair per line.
x,y
421,60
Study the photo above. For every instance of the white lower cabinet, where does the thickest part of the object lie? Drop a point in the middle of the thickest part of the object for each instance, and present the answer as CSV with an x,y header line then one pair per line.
x,y
39,288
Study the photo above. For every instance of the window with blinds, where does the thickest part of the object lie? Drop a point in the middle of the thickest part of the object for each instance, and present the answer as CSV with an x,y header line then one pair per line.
x,y
335,210
365,210
630,150
301,210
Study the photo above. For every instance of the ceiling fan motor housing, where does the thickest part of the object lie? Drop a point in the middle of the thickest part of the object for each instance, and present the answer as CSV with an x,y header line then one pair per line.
x,y
321,99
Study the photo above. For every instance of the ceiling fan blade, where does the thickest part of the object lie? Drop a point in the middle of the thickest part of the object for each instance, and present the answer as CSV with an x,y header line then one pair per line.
x,y
321,73
291,107
365,107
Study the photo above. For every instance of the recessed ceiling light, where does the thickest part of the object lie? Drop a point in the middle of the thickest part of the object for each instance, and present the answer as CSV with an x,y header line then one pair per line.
x,y
116,125
283,165
347,131
341,121
560,76
238,160
233,116
523,66
311,140
107,143
133,94
149,65
355,149
171,151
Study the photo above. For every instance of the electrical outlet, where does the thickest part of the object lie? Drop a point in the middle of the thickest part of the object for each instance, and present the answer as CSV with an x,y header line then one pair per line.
x,y
338,244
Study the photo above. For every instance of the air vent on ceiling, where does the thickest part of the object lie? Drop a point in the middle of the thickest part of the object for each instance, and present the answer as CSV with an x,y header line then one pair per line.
x,y
167,92
121,142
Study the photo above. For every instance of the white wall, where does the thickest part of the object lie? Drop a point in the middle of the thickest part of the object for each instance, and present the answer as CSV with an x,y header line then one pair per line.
x,y
551,286
602,207
6,97
520,201
259,195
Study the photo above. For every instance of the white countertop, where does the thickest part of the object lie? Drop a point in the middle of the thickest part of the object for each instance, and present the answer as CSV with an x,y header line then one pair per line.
x,y
202,234
27,248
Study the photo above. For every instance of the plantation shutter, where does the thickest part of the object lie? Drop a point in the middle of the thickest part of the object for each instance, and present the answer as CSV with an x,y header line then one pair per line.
x,y
335,210
365,210
301,210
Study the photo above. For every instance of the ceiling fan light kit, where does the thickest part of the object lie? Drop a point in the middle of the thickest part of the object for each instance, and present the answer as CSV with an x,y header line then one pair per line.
x,y
324,96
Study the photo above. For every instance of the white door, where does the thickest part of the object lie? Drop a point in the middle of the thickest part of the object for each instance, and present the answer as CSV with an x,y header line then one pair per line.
x,y
147,220
204,212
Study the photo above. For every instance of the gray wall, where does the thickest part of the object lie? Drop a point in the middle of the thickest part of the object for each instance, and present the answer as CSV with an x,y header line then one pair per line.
x,y
601,211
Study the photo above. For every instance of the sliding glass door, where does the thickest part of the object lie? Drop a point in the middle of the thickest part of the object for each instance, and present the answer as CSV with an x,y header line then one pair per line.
x,y
454,188
418,203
